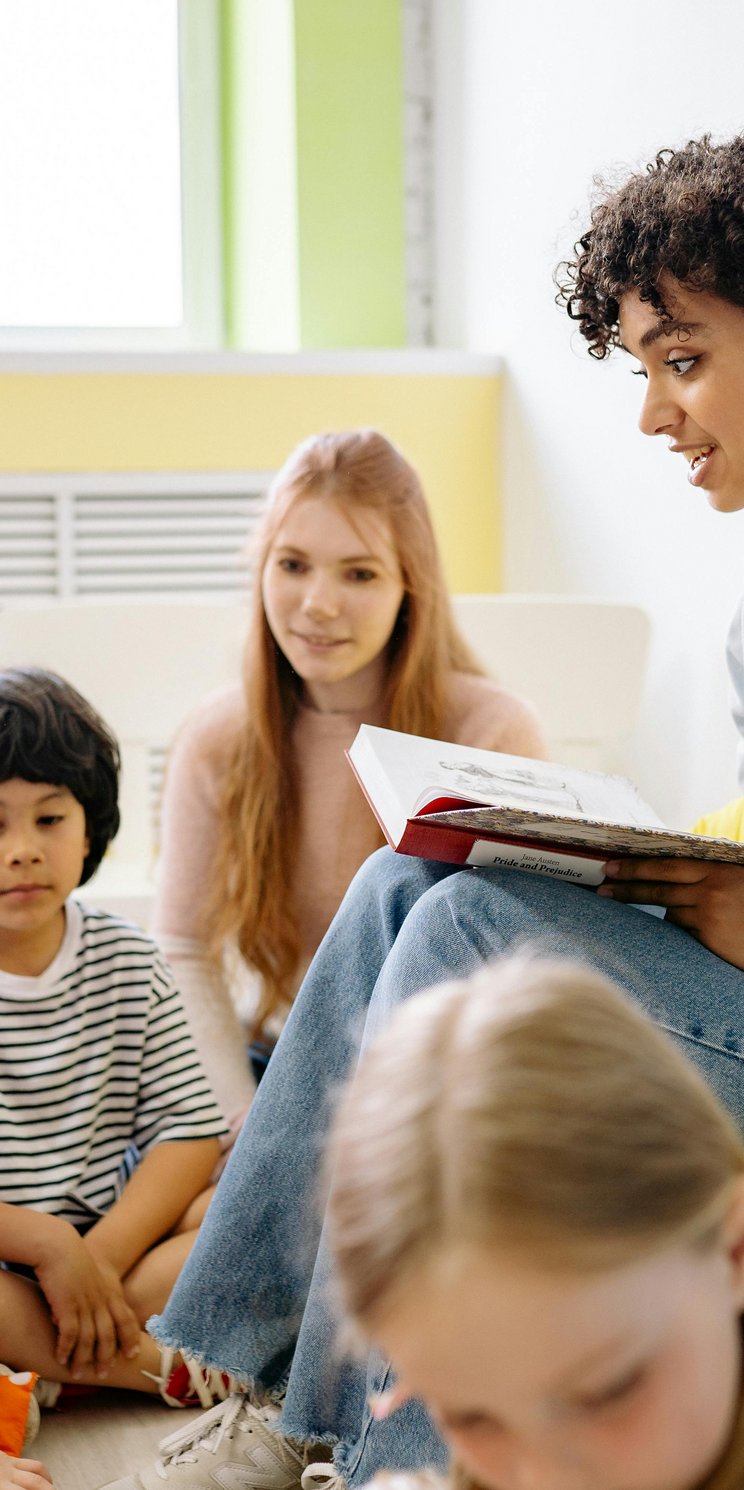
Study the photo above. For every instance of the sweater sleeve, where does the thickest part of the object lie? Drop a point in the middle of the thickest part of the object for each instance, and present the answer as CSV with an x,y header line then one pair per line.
x,y
189,818
213,1020
175,1100
189,845
521,732
482,714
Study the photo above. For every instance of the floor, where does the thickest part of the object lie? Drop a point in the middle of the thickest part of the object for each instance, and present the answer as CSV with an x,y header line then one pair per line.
x,y
97,1439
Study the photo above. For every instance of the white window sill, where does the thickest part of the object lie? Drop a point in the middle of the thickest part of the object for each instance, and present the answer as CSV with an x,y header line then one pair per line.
x,y
369,362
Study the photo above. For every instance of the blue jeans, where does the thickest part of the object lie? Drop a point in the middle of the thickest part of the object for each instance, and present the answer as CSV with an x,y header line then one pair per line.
x,y
255,1295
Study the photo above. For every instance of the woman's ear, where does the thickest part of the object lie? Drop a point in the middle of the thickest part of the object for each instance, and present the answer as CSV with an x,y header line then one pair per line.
x,y
733,1240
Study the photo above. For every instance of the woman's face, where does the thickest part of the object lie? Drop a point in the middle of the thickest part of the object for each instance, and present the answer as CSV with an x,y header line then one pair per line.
x,y
695,392
619,1380
332,590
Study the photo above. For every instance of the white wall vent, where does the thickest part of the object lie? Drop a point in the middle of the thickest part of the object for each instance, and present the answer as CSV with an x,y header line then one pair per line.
x,y
140,535
28,546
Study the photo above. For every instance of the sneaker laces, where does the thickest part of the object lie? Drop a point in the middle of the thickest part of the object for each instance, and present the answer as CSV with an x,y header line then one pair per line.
x,y
208,1431
208,1384
322,1476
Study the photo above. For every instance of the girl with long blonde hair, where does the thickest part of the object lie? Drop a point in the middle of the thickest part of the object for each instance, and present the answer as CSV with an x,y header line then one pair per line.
x,y
537,1212
264,825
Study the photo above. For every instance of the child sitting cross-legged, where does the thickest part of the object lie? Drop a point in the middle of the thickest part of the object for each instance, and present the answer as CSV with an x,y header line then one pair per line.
x,y
108,1128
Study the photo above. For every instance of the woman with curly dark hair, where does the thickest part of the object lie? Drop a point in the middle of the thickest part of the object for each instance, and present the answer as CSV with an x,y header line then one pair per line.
x,y
676,226
660,272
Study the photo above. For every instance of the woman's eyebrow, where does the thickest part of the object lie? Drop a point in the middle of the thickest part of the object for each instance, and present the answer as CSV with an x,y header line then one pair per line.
x,y
670,328
300,553
665,329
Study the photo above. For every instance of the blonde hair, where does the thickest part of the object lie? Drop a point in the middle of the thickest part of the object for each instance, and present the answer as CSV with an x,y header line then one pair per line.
x,y
533,1108
360,470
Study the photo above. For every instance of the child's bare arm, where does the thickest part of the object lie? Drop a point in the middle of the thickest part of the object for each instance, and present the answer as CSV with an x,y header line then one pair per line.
x,y
170,1176
92,1318
23,1474
26,1234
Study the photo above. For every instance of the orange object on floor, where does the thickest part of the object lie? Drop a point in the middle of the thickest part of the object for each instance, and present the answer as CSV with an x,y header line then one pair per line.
x,y
16,1391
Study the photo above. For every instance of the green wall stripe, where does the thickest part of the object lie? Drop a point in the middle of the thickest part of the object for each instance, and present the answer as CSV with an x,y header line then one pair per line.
x,y
349,69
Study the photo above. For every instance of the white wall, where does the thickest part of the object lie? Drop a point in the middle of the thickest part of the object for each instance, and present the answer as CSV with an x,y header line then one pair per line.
x,y
535,99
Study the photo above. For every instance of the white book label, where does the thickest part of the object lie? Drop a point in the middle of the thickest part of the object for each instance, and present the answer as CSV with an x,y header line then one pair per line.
x,y
573,868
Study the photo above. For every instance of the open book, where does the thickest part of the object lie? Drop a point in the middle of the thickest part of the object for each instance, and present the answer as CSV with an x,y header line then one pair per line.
x,y
466,806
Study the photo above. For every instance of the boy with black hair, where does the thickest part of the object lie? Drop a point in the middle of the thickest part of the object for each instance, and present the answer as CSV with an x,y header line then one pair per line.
x,y
108,1128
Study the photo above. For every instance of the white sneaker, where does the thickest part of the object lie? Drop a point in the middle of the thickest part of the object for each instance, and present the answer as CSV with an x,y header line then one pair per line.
x,y
232,1446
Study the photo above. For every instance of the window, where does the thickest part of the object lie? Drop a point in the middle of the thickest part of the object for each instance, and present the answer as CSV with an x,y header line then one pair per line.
x,y
185,174
110,192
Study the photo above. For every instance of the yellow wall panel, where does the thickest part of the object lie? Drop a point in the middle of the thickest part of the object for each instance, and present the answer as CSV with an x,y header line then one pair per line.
x,y
446,425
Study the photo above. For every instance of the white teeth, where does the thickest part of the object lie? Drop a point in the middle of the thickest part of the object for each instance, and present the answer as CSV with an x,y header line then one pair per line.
x,y
695,455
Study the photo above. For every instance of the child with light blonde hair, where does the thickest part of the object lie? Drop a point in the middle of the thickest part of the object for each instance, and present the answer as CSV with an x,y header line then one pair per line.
x,y
537,1214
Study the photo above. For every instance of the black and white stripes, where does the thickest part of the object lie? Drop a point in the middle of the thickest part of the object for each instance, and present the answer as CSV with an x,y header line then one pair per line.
x,y
95,1056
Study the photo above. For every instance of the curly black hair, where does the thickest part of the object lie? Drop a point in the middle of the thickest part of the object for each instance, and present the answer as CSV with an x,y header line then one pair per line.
x,y
50,733
683,217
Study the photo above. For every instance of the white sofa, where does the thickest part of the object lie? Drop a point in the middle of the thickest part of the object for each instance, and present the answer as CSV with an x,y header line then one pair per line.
x,y
144,664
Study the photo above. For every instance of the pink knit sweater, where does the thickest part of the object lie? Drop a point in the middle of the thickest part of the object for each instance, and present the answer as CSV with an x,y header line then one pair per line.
x,y
336,832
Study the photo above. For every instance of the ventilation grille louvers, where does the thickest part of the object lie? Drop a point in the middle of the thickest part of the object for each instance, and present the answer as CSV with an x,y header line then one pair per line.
x,y
128,537
28,547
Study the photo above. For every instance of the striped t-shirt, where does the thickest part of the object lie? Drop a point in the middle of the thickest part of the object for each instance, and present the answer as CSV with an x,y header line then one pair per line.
x,y
95,1056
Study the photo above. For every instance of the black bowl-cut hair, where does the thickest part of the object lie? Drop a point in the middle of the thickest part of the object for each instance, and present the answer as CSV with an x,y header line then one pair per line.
x,y
50,733
681,219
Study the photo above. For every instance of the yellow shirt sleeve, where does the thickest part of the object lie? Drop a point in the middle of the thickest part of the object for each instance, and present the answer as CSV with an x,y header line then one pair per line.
x,y
727,822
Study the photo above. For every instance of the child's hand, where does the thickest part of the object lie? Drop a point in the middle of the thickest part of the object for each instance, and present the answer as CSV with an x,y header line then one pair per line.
x,y
128,1327
23,1474
88,1307
704,897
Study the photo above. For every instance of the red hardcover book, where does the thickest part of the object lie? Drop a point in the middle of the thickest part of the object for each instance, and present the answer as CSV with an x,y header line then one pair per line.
x,y
438,800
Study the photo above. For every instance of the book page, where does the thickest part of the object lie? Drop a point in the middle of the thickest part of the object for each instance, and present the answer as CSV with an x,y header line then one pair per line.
x,y
424,770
